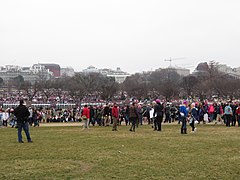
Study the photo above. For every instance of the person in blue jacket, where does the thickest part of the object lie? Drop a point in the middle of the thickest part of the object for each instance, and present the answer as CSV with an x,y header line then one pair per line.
x,y
183,117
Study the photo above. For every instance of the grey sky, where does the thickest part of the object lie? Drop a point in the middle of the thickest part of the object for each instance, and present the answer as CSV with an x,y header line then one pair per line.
x,y
135,35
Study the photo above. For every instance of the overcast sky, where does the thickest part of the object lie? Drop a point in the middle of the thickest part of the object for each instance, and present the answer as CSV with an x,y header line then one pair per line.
x,y
135,35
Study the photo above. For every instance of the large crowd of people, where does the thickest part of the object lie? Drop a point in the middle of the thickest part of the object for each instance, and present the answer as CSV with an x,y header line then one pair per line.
x,y
136,113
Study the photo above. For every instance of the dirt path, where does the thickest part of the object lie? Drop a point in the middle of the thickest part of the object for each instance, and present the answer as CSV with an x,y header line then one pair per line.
x,y
61,124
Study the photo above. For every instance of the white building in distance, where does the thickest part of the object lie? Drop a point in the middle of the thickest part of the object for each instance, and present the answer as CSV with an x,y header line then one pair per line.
x,y
117,74
32,74
182,71
233,72
68,71
91,69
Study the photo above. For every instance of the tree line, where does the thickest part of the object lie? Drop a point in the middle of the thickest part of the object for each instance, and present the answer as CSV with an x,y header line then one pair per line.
x,y
164,83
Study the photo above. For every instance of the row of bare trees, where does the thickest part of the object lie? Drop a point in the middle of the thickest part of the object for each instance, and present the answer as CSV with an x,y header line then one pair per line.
x,y
169,84
165,83
76,87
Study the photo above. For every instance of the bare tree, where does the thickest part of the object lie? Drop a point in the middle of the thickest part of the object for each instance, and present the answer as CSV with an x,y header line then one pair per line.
x,y
30,90
137,86
1,81
108,88
75,87
166,82
189,84
47,88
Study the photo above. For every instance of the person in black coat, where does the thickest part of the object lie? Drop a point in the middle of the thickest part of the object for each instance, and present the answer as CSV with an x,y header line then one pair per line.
x,y
158,114
22,113
106,115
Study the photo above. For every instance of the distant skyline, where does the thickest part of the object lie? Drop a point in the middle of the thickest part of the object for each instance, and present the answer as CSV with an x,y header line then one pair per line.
x,y
135,35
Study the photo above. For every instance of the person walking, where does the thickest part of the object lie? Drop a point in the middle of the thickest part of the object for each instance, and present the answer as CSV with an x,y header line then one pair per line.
x,y
228,114
219,112
183,117
85,117
106,115
201,113
133,116
173,111
158,114
234,108
22,113
35,117
127,121
194,117
140,117
92,115
238,114
211,110
115,116
1,117
5,117
167,113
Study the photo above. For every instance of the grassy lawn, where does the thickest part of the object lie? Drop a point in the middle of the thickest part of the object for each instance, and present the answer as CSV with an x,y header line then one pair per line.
x,y
98,153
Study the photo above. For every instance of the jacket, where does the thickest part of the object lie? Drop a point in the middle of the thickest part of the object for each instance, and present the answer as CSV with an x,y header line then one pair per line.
x,y
133,112
158,110
115,112
86,112
183,110
22,113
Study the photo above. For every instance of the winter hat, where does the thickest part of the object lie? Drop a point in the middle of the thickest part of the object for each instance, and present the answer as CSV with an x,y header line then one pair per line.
x,y
158,101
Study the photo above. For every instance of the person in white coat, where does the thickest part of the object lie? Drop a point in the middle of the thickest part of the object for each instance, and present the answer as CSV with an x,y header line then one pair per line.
x,y
5,117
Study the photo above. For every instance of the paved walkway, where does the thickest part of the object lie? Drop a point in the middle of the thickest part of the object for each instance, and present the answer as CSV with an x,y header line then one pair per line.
x,y
75,124
61,124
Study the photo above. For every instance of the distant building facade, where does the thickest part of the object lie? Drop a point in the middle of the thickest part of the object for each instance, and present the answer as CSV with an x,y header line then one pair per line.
x,y
202,68
91,69
68,71
31,74
180,71
54,68
232,72
117,74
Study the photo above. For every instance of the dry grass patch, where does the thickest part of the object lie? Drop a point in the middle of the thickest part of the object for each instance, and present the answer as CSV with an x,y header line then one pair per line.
x,y
71,153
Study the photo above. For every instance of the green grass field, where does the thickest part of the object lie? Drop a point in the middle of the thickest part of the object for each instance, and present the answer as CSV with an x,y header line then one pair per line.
x,y
99,153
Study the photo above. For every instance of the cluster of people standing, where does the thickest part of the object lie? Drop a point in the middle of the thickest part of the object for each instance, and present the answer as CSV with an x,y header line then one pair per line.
x,y
227,113
133,114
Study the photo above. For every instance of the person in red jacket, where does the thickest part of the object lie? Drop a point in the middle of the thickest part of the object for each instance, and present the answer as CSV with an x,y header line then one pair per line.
x,y
115,116
85,117
238,114
211,112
